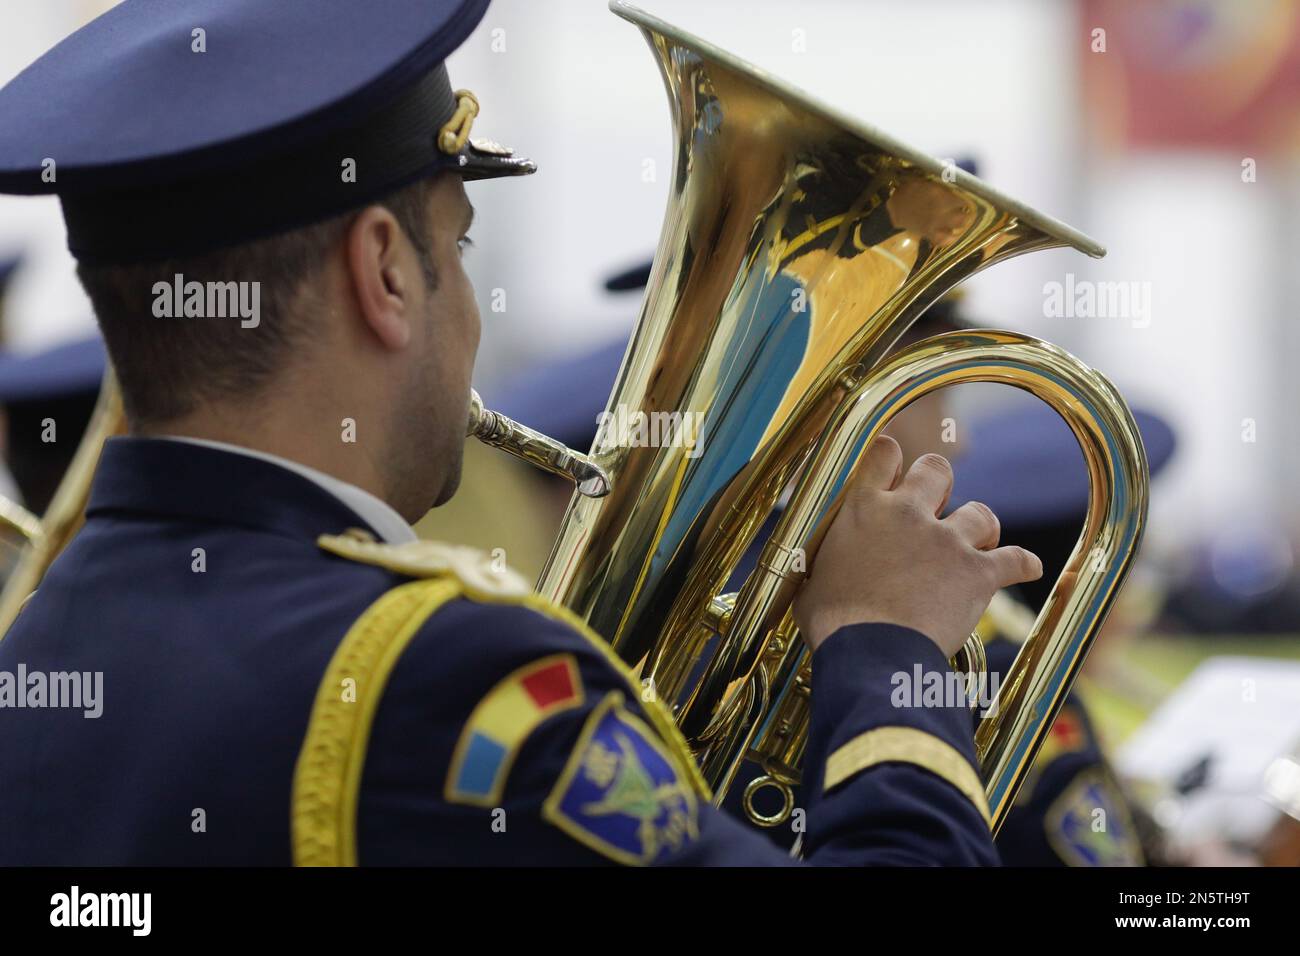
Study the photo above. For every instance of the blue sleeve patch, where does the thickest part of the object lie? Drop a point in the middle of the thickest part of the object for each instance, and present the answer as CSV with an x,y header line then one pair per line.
x,y
622,793
1089,824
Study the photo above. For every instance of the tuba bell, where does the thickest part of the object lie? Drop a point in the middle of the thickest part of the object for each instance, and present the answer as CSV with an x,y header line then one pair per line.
x,y
798,246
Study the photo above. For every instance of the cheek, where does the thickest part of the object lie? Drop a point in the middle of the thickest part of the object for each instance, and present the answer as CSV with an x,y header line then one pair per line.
x,y
473,322
467,300
456,325
464,313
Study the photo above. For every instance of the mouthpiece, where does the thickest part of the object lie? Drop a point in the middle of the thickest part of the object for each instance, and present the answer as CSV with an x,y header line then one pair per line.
x,y
493,428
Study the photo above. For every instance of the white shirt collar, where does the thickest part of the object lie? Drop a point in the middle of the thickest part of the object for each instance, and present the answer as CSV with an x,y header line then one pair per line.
x,y
391,527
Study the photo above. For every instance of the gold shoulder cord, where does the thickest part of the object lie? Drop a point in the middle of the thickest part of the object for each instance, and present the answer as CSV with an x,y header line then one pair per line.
x,y
327,777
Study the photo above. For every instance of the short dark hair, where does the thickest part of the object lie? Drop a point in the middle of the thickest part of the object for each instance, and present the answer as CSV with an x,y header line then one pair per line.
x,y
168,367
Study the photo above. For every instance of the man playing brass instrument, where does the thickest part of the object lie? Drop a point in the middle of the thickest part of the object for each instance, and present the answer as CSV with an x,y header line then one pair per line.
x,y
288,675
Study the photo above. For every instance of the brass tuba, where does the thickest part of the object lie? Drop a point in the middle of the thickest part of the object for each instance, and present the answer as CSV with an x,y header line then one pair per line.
x,y
798,246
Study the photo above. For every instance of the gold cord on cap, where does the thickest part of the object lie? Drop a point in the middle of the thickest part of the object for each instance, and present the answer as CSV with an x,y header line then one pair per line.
x,y
454,133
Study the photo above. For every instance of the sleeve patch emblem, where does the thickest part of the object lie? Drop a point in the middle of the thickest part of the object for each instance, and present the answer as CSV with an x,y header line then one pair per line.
x,y
503,720
622,793
1089,825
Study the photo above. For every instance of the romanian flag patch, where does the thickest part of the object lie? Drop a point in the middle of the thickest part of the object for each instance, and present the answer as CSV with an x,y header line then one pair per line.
x,y
503,720
622,793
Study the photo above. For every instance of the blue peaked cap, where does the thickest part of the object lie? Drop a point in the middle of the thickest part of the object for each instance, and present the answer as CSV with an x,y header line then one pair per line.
x,y
162,150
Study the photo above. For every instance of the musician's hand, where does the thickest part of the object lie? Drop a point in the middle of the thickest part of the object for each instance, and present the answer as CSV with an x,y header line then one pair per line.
x,y
887,557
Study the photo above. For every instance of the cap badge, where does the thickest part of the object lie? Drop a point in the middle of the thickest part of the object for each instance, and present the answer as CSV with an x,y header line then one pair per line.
x,y
491,147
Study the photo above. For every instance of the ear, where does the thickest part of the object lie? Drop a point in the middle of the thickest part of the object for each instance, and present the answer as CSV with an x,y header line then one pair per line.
x,y
381,285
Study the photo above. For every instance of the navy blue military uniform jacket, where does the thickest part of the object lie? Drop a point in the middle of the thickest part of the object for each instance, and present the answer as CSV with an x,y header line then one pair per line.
x,y
271,696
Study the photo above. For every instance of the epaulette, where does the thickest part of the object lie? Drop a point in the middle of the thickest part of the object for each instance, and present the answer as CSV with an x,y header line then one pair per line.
x,y
483,576
327,777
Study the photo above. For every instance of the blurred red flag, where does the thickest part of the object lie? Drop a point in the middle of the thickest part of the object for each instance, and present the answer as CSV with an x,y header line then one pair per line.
x,y
1194,72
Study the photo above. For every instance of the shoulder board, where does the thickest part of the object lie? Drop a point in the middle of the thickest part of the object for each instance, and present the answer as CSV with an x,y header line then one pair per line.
x,y
482,575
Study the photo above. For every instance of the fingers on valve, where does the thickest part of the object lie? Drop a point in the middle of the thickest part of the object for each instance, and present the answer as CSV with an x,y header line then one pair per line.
x,y
880,465
929,480
977,525
1014,565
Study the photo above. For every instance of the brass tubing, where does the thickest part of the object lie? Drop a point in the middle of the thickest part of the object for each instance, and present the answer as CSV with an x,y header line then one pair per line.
x,y
18,519
1046,667
66,512
493,428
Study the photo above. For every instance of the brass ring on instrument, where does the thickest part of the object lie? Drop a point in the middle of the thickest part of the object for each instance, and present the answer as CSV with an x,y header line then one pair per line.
x,y
972,662
768,820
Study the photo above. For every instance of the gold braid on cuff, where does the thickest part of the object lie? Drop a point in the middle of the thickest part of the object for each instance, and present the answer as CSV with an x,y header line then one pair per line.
x,y
906,745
